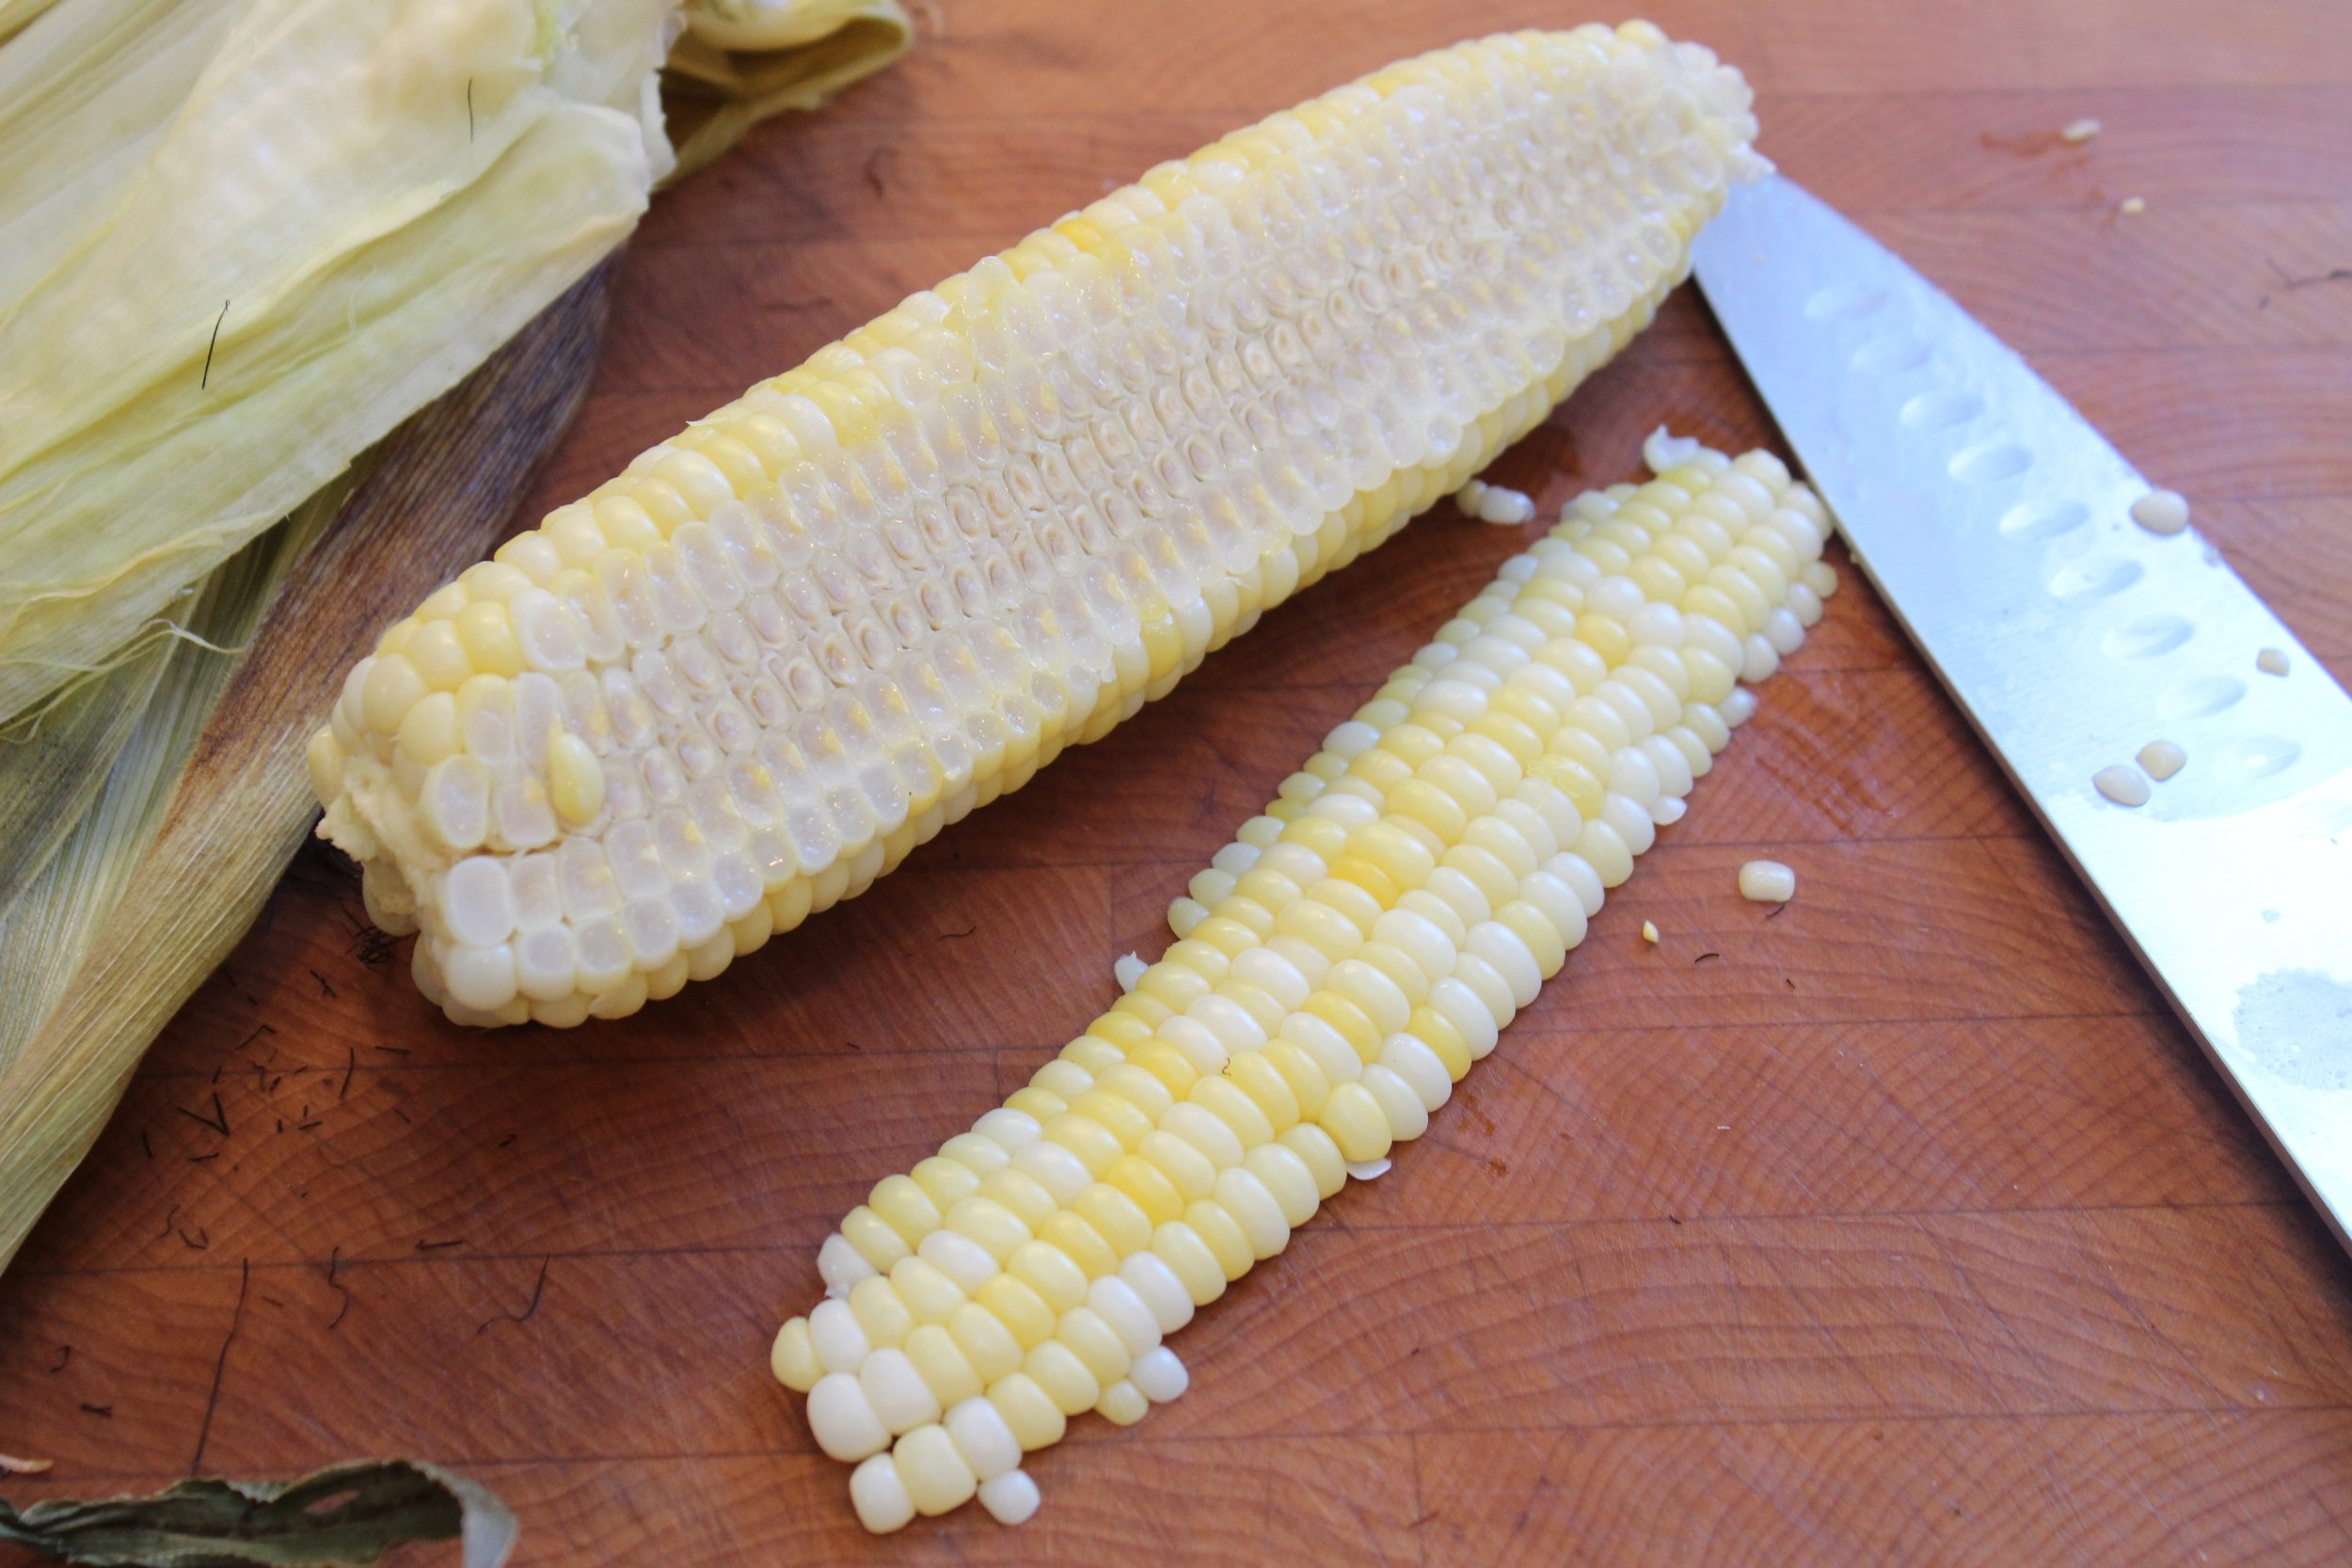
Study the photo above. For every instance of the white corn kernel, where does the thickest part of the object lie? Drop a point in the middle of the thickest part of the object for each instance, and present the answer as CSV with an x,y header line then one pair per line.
x,y
2126,786
1160,1375
879,1496
1010,1498
2161,511
840,1265
984,1439
840,1343
842,1420
897,1392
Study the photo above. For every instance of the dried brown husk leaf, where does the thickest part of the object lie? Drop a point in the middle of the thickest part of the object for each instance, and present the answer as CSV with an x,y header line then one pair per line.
x,y
352,1512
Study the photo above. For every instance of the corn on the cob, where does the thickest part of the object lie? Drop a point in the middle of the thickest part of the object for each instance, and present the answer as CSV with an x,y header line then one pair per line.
x,y
1340,967
745,678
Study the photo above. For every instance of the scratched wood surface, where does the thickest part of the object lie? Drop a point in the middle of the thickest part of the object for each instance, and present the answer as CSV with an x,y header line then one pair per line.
x,y
1911,1227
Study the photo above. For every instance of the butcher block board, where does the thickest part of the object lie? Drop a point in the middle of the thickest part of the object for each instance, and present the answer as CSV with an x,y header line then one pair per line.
x,y
1903,1225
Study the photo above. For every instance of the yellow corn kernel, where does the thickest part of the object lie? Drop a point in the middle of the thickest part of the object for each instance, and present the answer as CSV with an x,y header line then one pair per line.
x,y
874,1238
1137,1088
995,1227
575,778
1110,1114
1066,1379
1128,1033
428,732
905,1207
1435,1031
1306,1082
929,1294
487,634
1181,1247
984,1341
1179,1160
1321,1154
1147,1187
1267,1091
1049,1272
883,1317
1169,1065
1036,1420
1020,1194
1355,1123
1041,1103
1080,1243
947,1372
1122,1404
793,1359
1093,1053
391,688
1226,935
1021,1310
945,1183
1147,1009
1124,1224
1349,901
1095,1145
1226,1239
1348,1019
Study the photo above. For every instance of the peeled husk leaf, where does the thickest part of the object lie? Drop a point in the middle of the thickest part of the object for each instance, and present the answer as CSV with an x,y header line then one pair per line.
x,y
730,72
376,193
280,227
53,768
15,14
348,1514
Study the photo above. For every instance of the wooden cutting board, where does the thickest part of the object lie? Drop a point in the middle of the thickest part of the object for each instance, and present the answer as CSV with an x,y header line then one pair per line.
x,y
1903,1226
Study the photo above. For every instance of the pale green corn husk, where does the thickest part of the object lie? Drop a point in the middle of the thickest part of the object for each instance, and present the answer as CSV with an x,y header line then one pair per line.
x,y
741,61
239,240
381,193
49,922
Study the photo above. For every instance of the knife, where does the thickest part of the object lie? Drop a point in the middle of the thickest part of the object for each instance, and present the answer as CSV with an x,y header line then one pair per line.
x,y
1997,523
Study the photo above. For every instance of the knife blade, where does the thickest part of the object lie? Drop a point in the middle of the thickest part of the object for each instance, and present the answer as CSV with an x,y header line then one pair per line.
x,y
1997,522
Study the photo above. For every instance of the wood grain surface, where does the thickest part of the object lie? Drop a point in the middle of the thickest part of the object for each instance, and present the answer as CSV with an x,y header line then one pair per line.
x,y
1909,1228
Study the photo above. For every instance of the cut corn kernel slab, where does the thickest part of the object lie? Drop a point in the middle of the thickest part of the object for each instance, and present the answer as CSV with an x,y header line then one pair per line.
x,y
741,681
1344,966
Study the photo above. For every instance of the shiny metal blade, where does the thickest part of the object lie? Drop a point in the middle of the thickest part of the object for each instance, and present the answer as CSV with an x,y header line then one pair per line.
x,y
1997,522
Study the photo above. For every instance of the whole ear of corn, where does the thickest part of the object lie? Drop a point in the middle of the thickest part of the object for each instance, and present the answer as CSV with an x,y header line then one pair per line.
x,y
1340,966
743,679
